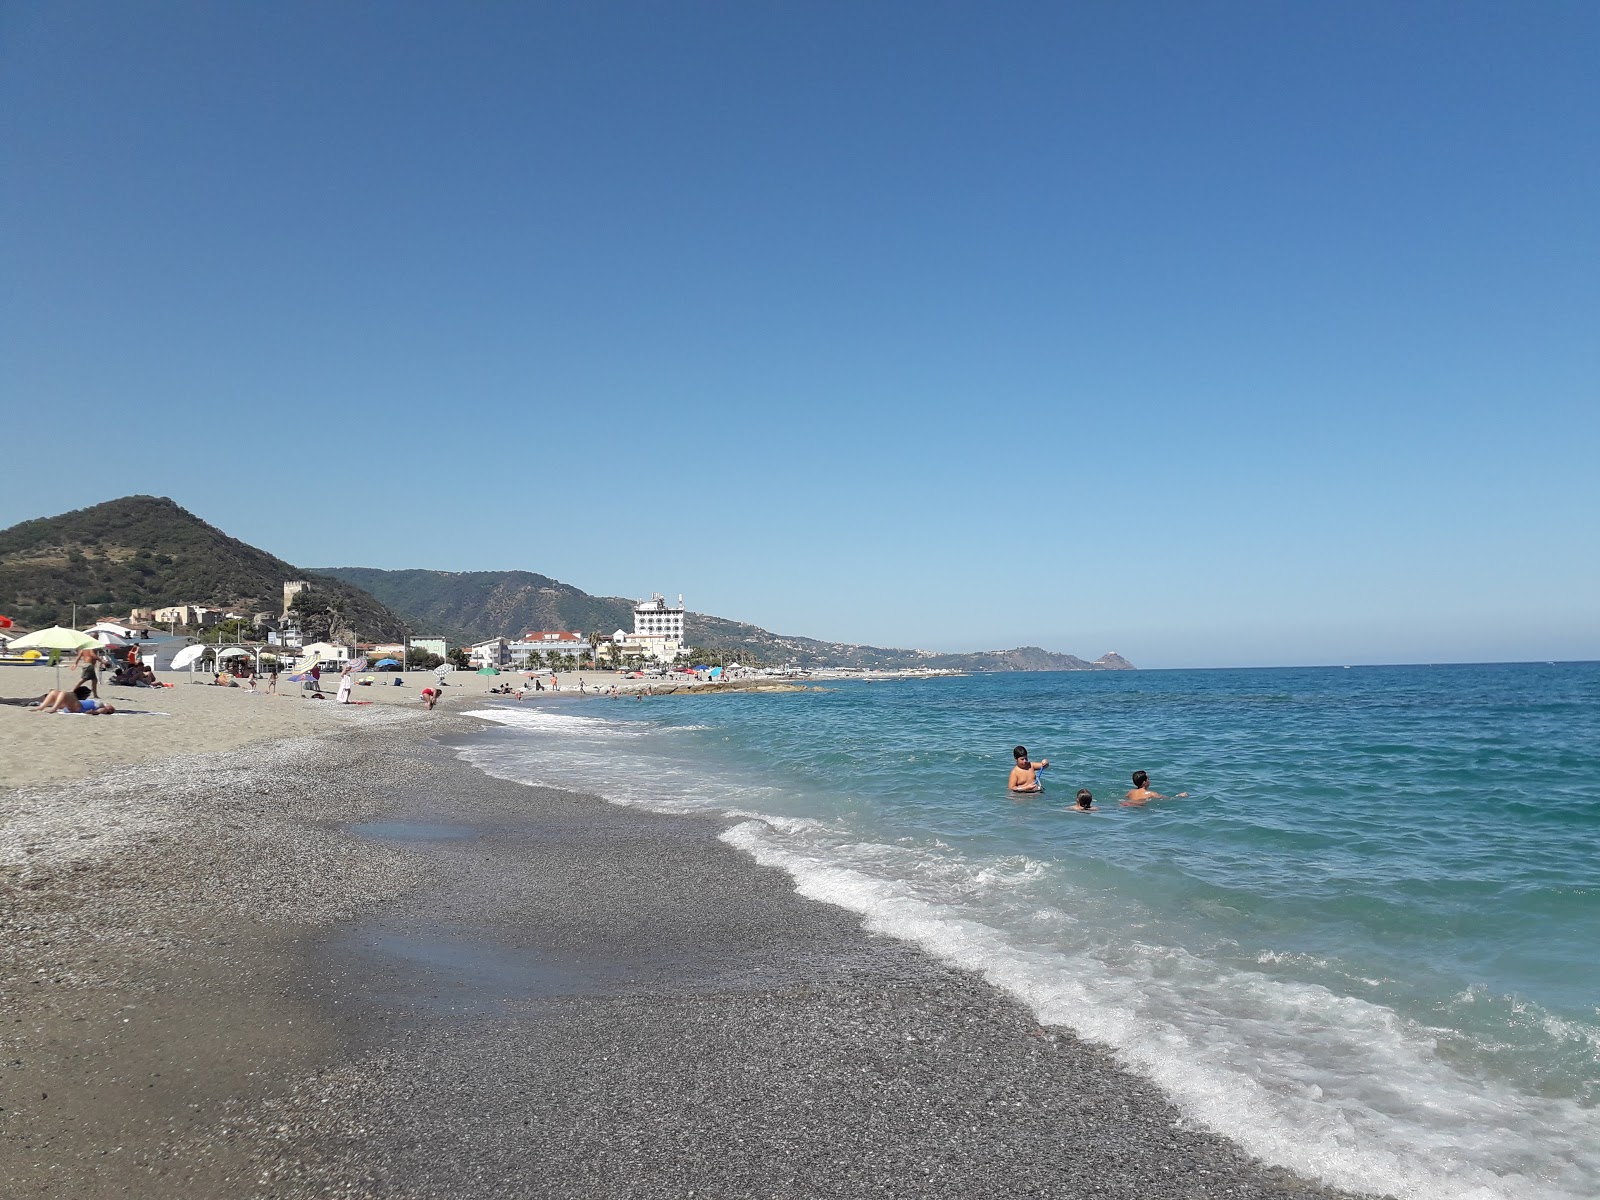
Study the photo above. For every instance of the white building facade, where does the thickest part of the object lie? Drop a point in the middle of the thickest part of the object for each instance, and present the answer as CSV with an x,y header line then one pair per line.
x,y
495,652
546,642
657,631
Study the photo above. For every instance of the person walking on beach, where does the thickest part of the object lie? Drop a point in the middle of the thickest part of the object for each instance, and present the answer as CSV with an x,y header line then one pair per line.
x,y
89,663
345,684
272,680
1025,775
1142,793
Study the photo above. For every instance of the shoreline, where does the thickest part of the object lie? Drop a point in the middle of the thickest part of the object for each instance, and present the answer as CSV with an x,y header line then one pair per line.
x,y
227,992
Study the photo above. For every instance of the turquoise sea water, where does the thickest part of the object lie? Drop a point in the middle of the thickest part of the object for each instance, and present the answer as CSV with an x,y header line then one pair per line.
x,y
1365,946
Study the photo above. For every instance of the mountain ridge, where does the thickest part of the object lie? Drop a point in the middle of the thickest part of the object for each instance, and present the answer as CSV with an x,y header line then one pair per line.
x,y
474,605
151,552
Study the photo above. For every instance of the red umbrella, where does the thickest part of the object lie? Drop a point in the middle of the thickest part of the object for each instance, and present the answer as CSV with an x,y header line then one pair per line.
x,y
6,622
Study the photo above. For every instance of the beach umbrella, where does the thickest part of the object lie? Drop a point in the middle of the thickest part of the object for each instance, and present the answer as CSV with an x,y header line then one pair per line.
x,y
235,653
487,671
387,662
56,638
360,664
187,657
6,622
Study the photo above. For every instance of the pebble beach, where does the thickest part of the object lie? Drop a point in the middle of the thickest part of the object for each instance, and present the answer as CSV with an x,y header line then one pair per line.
x,y
268,947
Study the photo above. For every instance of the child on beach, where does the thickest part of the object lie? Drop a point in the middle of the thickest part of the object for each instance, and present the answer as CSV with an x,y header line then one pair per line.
x,y
1142,793
1085,802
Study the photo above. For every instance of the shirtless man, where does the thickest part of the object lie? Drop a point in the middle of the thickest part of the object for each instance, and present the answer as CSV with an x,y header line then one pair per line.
x,y
89,663
1085,802
1025,775
1142,793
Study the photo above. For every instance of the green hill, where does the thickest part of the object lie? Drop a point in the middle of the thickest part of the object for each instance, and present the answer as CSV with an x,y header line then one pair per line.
x,y
470,606
147,552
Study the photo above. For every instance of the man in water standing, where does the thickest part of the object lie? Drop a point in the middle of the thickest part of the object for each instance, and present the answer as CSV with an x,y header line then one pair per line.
x,y
1025,775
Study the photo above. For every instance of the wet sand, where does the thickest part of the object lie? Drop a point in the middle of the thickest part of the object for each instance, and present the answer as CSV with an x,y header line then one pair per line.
x,y
369,970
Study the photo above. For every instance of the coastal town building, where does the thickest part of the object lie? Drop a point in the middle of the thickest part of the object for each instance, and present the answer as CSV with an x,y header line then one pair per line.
x,y
436,646
548,641
325,652
196,616
657,631
132,631
494,652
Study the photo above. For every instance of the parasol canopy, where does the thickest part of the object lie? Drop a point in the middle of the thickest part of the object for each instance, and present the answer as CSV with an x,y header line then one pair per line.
x,y
56,638
488,671
387,662
187,657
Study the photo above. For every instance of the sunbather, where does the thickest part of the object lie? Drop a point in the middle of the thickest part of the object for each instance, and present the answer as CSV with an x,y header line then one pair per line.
x,y
76,701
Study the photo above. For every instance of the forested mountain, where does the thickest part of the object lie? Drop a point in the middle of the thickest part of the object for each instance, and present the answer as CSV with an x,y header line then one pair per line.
x,y
472,605
468,606
147,552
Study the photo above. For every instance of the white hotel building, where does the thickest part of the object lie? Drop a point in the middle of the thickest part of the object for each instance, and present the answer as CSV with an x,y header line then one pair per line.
x,y
657,630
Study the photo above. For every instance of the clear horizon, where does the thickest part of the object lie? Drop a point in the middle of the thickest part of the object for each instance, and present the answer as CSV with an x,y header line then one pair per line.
x,y
1245,335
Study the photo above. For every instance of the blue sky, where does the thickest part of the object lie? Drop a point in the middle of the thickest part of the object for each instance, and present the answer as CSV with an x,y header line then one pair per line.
x,y
1214,334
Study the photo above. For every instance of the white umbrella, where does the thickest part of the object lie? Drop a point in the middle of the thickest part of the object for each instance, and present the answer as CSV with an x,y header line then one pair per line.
x,y
189,654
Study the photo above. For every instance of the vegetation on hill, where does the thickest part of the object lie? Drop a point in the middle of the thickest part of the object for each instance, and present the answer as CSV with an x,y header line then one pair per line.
x,y
147,552
473,605
469,606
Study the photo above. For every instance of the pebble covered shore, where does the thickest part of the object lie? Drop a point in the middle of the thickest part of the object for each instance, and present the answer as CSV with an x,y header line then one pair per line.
x,y
355,966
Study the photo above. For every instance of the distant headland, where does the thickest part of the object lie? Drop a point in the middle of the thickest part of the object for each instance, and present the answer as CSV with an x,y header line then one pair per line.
x,y
132,556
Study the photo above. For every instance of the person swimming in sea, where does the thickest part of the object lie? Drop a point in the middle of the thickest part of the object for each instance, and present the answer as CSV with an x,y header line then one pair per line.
x,y
1085,802
1142,794
1025,775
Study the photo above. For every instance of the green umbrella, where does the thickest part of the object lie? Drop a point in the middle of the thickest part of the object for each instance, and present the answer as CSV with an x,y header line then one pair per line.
x,y
488,671
55,638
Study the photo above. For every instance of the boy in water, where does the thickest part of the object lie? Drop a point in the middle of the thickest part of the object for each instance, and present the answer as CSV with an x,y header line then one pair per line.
x,y
1085,802
1142,793
1025,775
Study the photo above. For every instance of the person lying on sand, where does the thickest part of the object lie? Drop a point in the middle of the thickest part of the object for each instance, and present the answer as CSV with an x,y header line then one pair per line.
x,y
76,701
1085,802
1142,793
1025,775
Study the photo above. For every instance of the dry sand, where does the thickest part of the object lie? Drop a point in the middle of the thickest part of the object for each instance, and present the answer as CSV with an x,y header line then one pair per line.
x,y
187,718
